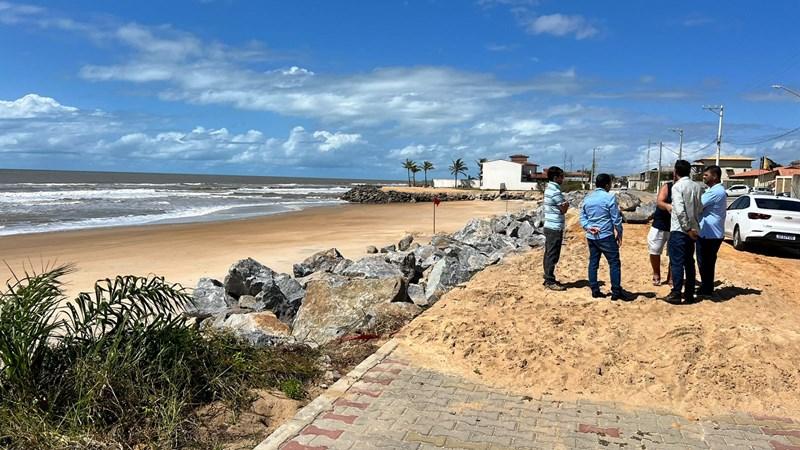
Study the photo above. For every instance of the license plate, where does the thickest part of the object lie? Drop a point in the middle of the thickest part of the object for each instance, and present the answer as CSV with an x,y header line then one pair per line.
x,y
785,237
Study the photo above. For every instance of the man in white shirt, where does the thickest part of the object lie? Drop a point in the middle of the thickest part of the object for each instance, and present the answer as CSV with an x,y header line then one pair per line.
x,y
685,226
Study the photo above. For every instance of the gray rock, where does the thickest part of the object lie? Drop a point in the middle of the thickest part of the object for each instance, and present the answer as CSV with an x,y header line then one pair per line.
x,y
209,298
341,266
372,266
389,248
416,293
372,249
318,262
293,292
426,256
314,276
335,305
405,242
414,246
405,261
249,277
250,302
475,233
444,275
513,228
501,223
525,231
627,201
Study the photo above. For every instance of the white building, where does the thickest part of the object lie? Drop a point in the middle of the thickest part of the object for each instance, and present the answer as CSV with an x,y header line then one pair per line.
x,y
515,175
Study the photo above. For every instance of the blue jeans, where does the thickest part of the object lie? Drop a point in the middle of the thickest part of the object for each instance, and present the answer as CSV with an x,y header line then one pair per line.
x,y
681,261
609,248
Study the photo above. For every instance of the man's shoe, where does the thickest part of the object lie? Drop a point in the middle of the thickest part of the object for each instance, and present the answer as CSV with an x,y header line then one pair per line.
x,y
673,299
622,295
555,286
598,294
691,300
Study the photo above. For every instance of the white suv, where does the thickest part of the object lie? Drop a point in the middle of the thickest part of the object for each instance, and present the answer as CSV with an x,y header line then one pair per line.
x,y
757,218
737,190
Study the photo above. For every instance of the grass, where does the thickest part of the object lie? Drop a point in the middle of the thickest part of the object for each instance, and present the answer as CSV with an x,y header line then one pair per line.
x,y
121,367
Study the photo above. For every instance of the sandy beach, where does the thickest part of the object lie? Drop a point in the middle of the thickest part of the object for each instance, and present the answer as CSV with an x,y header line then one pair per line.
x,y
185,252
739,353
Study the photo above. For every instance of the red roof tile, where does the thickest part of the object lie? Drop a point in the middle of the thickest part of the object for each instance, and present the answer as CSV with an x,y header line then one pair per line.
x,y
750,173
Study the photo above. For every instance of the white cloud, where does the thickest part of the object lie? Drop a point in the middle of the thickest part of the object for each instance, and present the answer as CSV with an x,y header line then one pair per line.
x,y
333,141
33,105
562,25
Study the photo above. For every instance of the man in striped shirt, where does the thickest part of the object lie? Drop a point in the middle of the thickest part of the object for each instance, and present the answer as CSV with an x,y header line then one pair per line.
x,y
554,209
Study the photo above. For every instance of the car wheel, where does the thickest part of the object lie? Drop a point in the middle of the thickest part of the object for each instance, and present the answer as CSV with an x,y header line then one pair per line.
x,y
738,243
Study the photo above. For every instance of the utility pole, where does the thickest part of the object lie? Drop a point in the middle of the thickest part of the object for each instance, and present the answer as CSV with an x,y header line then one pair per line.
x,y
680,145
658,179
718,110
594,165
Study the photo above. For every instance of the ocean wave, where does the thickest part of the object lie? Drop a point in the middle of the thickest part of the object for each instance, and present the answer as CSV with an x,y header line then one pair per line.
x,y
213,213
38,197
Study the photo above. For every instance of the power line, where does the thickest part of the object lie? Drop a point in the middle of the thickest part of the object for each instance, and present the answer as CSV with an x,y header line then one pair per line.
x,y
761,141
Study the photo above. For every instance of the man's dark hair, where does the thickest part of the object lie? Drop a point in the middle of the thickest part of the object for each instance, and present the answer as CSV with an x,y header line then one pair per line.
x,y
683,168
603,181
715,170
554,172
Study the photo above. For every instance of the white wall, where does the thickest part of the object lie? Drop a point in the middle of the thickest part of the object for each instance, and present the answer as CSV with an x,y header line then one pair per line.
x,y
505,172
451,183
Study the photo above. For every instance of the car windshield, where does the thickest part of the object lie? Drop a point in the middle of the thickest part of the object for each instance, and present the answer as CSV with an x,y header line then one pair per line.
x,y
775,203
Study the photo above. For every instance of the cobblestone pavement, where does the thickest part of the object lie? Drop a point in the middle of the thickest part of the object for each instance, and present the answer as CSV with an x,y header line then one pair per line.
x,y
391,403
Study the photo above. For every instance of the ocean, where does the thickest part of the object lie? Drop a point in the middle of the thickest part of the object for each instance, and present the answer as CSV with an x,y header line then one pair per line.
x,y
37,201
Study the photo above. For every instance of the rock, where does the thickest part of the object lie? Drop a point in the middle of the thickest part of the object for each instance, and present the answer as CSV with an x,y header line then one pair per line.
x,y
643,213
372,249
416,293
250,302
342,265
389,248
405,243
426,256
259,328
414,246
373,266
209,298
405,261
335,305
525,230
627,201
293,292
475,232
392,315
444,275
318,262
249,277
501,224
314,276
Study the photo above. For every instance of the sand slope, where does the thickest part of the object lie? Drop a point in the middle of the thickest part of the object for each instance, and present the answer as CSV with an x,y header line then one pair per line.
x,y
740,354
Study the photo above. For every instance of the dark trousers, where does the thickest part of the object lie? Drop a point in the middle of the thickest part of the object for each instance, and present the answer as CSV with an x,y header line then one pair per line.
x,y
609,248
552,253
707,250
681,262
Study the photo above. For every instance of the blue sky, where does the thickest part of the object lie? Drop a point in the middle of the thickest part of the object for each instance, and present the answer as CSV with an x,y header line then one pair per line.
x,y
352,88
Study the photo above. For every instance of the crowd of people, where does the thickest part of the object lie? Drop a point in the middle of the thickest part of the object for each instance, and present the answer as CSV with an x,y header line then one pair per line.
x,y
689,220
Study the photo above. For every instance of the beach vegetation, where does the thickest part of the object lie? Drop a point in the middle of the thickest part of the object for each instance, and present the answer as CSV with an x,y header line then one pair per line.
x,y
121,367
426,167
458,166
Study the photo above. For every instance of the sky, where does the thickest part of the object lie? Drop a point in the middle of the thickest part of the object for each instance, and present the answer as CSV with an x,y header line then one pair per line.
x,y
350,89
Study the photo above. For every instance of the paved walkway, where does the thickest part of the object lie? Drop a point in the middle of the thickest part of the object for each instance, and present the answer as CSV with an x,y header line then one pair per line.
x,y
387,402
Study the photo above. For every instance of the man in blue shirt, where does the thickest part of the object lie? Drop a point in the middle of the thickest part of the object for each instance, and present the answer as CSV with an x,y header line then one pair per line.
x,y
601,219
554,207
712,224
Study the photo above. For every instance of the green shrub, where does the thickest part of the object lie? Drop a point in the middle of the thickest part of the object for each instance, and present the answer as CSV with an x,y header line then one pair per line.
x,y
293,388
121,365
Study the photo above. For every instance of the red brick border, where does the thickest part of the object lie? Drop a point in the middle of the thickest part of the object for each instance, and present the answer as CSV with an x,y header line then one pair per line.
x,y
611,432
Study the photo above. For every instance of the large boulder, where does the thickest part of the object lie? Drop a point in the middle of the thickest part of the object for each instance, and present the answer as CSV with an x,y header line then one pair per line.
x,y
475,233
525,230
627,201
405,261
209,298
293,292
643,213
416,293
372,266
324,261
249,277
257,328
444,275
426,256
335,305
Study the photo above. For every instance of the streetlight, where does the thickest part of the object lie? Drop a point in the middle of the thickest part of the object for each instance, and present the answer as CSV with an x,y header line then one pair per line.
x,y
791,91
680,145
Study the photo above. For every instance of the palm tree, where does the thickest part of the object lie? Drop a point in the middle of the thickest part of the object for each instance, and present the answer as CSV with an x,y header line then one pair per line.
x,y
458,167
408,164
414,170
426,166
